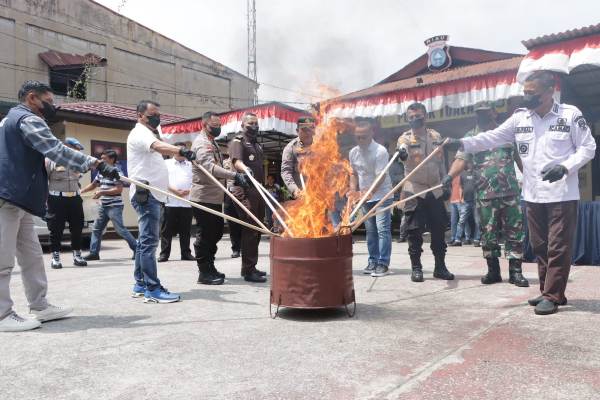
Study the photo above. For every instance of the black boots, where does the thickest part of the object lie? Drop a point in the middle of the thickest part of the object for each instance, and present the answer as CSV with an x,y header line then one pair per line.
x,y
417,268
207,276
493,275
515,274
440,271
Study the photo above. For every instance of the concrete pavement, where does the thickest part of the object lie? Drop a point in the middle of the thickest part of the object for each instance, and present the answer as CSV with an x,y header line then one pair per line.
x,y
434,340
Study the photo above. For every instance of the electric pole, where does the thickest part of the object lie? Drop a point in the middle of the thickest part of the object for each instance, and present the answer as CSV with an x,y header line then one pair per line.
x,y
252,50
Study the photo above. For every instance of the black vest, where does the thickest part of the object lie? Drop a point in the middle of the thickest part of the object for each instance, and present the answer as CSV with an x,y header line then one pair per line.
x,y
23,177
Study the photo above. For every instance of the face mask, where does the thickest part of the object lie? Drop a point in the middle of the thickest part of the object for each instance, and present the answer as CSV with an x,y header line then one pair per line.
x,y
154,121
214,132
484,120
252,130
48,111
417,123
531,101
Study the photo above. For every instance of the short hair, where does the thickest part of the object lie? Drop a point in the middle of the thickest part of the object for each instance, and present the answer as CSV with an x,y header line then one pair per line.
x,y
32,86
545,78
417,107
143,105
208,115
110,153
248,114
180,144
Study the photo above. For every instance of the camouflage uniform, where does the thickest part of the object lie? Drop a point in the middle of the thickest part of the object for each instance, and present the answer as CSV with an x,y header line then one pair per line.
x,y
498,200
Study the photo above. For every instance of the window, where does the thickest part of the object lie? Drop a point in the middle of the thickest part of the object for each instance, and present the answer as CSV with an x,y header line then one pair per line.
x,y
69,82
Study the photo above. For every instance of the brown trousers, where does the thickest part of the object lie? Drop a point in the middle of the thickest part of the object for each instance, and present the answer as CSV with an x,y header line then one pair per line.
x,y
551,232
250,238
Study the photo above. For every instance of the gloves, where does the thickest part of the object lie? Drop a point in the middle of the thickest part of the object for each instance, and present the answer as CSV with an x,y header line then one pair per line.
x,y
240,180
553,174
108,171
402,153
188,154
447,183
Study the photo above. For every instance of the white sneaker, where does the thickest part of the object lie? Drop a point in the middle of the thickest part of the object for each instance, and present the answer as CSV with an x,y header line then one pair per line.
x,y
14,323
51,313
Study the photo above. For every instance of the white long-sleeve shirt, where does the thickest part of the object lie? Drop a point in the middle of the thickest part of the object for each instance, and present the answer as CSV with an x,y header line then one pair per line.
x,y
562,136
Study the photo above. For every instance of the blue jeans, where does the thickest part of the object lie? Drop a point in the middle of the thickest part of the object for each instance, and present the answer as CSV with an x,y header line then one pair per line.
x,y
379,234
114,214
145,273
454,217
467,209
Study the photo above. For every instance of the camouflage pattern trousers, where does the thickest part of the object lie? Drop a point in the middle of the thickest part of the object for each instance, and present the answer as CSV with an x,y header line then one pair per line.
x,y
501,219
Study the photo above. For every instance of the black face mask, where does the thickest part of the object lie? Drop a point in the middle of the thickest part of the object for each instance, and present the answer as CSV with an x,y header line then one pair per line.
x,y
484,120
154,121
214,132
252,130
48,111
531,101
416,123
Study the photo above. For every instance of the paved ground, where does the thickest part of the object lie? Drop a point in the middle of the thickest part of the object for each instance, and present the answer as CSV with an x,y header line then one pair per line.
x,y
435,340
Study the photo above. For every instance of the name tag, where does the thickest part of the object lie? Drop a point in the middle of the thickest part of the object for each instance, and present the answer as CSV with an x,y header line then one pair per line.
x,y
524,129
560,128
414,146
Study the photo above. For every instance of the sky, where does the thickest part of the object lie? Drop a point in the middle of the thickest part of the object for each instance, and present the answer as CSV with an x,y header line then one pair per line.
x,y
310,49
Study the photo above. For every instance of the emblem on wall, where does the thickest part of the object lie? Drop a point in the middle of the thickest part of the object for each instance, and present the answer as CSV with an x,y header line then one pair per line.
x,y
439,53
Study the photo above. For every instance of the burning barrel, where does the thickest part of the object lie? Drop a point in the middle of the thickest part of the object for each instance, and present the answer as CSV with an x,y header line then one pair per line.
x,y
312,272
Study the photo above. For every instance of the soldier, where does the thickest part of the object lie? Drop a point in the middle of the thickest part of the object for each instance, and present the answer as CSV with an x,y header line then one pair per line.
x,y
207,193
498,202
294,151
414,146
245,152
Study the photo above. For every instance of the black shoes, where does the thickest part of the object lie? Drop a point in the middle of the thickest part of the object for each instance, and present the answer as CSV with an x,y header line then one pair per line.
x,y
92,257
456,243
537,300
259,272
163,259
440,270
546,307
214,270
208,275
188,257
255,277
515,274
493,275
235,254
417,273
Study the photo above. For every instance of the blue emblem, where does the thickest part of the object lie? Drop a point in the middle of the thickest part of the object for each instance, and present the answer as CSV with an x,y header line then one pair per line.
x,y
438,57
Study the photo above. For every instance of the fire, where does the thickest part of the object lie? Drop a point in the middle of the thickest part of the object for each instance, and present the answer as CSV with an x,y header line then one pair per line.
x,y
325,173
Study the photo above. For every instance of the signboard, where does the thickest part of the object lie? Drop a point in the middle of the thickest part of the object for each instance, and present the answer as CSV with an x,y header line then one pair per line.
x,y
439,53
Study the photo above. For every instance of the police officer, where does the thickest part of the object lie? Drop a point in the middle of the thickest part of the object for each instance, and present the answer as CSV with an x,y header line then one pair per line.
x,y
429,209
207,193
245,151
498,200
235,229
553,141
65,205
294,151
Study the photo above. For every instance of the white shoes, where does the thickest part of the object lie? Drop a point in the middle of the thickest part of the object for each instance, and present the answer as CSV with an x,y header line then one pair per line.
x,y
51,313
14,323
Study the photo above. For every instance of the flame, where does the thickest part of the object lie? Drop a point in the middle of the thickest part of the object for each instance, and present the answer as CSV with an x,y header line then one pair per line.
x,y
325,173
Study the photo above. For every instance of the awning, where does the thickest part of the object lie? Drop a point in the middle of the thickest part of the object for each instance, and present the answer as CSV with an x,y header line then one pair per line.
x,y
562,57
58,60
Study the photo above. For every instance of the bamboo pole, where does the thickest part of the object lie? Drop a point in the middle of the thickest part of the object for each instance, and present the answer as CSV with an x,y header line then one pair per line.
x,y
238,202
195,205
398,186
374,184
414,196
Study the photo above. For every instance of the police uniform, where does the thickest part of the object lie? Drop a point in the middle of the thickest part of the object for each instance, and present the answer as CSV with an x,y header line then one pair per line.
x,y
248,150
235,229
207,193
561,137
429,209
292,155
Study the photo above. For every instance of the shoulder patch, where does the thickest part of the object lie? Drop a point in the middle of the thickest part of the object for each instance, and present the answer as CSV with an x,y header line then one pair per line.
x,y
581,122
518,110
555,107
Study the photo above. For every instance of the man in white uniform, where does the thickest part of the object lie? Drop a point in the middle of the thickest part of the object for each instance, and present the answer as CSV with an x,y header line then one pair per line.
x,y
553,141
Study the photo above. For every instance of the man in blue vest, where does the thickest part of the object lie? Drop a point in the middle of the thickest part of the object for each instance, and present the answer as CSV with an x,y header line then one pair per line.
x,y
25,139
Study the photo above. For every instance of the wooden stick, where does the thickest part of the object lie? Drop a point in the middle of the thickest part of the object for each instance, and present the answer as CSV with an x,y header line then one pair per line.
x,y
199,206
398,186
238,202
414,196
265,191
257,185
302,182
374,184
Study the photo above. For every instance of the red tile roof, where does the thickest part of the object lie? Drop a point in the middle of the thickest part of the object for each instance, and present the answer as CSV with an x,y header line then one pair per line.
x,y
560,36
113,111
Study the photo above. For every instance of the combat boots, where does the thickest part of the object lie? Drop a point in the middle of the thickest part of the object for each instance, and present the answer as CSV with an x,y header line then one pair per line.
x,y
493,275
206,276
441,271
417,268
515,273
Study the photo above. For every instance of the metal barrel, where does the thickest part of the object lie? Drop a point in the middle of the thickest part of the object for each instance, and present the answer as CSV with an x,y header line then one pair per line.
x,y
311,272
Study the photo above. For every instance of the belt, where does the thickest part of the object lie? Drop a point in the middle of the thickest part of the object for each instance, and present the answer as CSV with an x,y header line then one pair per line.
x,y
63,194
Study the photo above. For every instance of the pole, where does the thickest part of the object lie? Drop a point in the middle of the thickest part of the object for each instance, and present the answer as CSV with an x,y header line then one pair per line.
x,y
414,196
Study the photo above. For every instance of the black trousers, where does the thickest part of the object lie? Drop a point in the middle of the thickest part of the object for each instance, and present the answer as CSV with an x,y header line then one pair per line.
x,y
175,220
250,237
430,212
235,230
209,232
61,210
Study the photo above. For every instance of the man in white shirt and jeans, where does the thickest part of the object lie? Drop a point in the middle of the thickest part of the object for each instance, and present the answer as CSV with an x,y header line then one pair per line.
x,y
146,164
177,215
553,141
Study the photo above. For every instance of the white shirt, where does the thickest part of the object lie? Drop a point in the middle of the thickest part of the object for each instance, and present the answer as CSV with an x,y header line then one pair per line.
x,y
145,164
559,137
180,178
368,164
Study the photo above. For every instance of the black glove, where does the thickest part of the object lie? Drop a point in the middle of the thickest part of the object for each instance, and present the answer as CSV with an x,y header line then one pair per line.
x,y
108,171
240,180
188,154
553,174
402,153
447,183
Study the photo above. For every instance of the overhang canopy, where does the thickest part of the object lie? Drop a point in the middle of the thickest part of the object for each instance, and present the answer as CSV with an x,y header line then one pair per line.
x,y
58,60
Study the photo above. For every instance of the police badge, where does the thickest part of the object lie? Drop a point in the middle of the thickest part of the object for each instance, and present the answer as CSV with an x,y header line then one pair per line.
x,y
439,53
251,157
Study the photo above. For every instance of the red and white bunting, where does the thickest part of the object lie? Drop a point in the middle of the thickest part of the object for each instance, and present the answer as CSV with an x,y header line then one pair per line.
x,y
455,94
271,117
561,57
